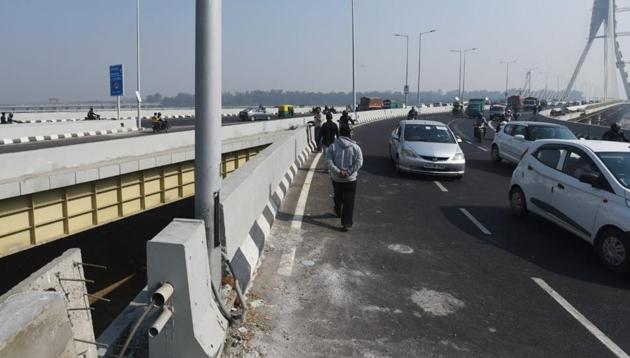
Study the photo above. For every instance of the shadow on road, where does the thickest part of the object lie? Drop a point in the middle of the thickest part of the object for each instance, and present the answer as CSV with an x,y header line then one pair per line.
x,y
503,169
538,241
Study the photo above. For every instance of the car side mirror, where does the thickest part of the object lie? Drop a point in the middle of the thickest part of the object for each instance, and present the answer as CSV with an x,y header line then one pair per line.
x,y
593,179
519,137
459,139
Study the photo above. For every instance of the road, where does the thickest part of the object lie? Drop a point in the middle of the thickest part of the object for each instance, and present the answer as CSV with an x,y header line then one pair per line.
x,y
177,125
418,277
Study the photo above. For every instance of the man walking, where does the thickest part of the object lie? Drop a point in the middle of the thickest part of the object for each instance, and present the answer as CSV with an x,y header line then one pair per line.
x,y
317,121
329,132
344,159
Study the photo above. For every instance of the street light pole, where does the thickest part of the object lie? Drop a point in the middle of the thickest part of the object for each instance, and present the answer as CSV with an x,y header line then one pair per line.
x,y
459,80
464,75
208,66
507,75
420,60
354,72
406,89
138,93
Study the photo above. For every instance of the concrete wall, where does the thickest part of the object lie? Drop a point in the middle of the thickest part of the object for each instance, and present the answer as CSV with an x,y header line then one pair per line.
x,y
15,130
51,278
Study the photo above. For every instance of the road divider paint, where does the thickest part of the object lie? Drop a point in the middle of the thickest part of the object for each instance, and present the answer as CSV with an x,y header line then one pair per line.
x,y
298,216
441,187
614,348
286,263
475,221
482,148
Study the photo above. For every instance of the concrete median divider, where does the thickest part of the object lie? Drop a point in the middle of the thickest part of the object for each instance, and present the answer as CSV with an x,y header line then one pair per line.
x,y
24,133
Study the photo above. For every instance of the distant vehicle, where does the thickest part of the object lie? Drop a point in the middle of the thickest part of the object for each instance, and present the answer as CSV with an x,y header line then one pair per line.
x,y
497,113
285,111
475,107
516,102
515,137
582,186
530,103
161,126
458,109
426,147
254,113
369,104
391,104
437,104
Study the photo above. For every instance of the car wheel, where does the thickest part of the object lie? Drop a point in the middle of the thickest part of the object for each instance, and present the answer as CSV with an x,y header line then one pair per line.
x,y
252,118
613,248
268,118
494,154
518,203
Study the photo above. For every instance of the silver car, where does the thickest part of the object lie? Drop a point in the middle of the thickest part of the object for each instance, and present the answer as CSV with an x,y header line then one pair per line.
x,y
426,147
254,113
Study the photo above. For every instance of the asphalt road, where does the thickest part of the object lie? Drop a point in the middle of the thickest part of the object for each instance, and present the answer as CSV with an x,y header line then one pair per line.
x,y
417,277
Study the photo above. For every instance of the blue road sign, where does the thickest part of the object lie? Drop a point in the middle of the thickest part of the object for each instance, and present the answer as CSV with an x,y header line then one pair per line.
x,y
116,80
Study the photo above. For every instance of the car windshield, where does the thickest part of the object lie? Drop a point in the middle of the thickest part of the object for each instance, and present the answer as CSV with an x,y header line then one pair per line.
x,y
548,132
428,133
619,165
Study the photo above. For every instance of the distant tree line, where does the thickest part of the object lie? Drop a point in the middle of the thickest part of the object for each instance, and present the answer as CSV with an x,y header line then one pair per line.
x,y
303,98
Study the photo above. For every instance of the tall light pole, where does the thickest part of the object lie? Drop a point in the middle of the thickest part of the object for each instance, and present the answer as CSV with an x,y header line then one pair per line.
x,y
208,66
464,75
138,93
354,72
507,75
420,60
459,81
406,89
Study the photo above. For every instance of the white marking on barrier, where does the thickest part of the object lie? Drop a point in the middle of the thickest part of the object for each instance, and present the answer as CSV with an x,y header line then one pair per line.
x,y
39,138
263,225
54,136
272,209
251,253
80,134
440,186
475,221
298,216
286,263
23,139
617,351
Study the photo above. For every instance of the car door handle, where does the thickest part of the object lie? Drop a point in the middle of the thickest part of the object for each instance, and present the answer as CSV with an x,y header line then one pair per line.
x,y
529,167
560,186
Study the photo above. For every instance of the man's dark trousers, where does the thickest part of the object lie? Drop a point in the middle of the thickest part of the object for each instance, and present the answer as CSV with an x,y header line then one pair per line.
x,y
344,201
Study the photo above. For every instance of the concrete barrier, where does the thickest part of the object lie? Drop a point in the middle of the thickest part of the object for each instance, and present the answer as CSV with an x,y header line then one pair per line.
x,y
10,131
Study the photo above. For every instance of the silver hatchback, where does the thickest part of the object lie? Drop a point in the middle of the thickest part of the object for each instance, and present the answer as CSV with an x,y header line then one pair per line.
x,y
426,147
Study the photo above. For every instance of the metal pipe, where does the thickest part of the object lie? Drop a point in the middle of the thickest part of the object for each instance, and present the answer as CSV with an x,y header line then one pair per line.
x,y
208,117
420,61
138,59
162,294
354,72
160,322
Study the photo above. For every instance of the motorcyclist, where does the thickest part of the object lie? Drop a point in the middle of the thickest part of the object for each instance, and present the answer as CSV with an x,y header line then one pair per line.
x,y
413,113
482,124
91,115
614,134
345,120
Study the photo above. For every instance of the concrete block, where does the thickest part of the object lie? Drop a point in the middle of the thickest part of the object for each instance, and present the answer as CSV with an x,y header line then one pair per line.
x,y
34,185
163,160
87,175
129,167
62,180
146,163
35,324
9,190
108,171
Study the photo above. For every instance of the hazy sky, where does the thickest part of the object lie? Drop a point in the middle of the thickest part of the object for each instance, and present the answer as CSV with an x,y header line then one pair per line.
x,y
63,48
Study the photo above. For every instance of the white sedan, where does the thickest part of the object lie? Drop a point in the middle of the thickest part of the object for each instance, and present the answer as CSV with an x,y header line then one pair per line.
x,y
582,186
512,140
426,147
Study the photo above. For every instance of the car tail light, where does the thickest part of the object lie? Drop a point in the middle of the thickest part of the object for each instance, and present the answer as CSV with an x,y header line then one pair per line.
x,y
524,153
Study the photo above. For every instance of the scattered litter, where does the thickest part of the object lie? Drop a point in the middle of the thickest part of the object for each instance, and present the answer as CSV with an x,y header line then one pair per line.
x,y
492,329
308,263
401,249
256,303
242,330
436,303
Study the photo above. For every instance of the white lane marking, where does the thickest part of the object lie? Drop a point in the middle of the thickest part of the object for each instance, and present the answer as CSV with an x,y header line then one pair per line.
x,y
440,186
286,263
580,318
475,221
482,148
296,222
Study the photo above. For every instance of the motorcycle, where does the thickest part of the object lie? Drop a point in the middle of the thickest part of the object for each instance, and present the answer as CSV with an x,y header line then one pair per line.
x,y
161,126
480,131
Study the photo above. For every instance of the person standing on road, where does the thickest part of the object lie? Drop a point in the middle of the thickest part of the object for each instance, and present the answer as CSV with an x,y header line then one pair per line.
x,y
344,159
329,132
317,121
345,120
614,134
3,119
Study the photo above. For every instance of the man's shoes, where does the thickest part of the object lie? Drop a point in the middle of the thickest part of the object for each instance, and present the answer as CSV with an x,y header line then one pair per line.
x,y
346,228
337,212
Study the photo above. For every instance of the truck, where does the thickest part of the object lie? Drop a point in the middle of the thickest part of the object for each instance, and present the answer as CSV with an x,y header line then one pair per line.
x,y
516,102
369,104
530,103
391,104
475,107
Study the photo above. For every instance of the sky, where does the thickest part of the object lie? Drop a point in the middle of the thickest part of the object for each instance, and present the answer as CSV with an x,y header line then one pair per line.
x,y
63,48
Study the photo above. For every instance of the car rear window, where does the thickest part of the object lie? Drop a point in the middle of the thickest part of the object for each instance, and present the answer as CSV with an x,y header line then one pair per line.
x,y
549,132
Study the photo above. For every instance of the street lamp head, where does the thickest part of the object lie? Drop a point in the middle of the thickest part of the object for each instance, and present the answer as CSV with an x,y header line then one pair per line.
x,y
432,31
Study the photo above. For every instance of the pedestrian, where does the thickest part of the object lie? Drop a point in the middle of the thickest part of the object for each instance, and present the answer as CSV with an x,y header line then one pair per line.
x,y
10,119
329,132
3,119
614,134
344,159
317,120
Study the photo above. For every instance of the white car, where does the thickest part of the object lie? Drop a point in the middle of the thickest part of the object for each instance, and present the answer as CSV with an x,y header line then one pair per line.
x,y
511,141
253,114
582,186
426,147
